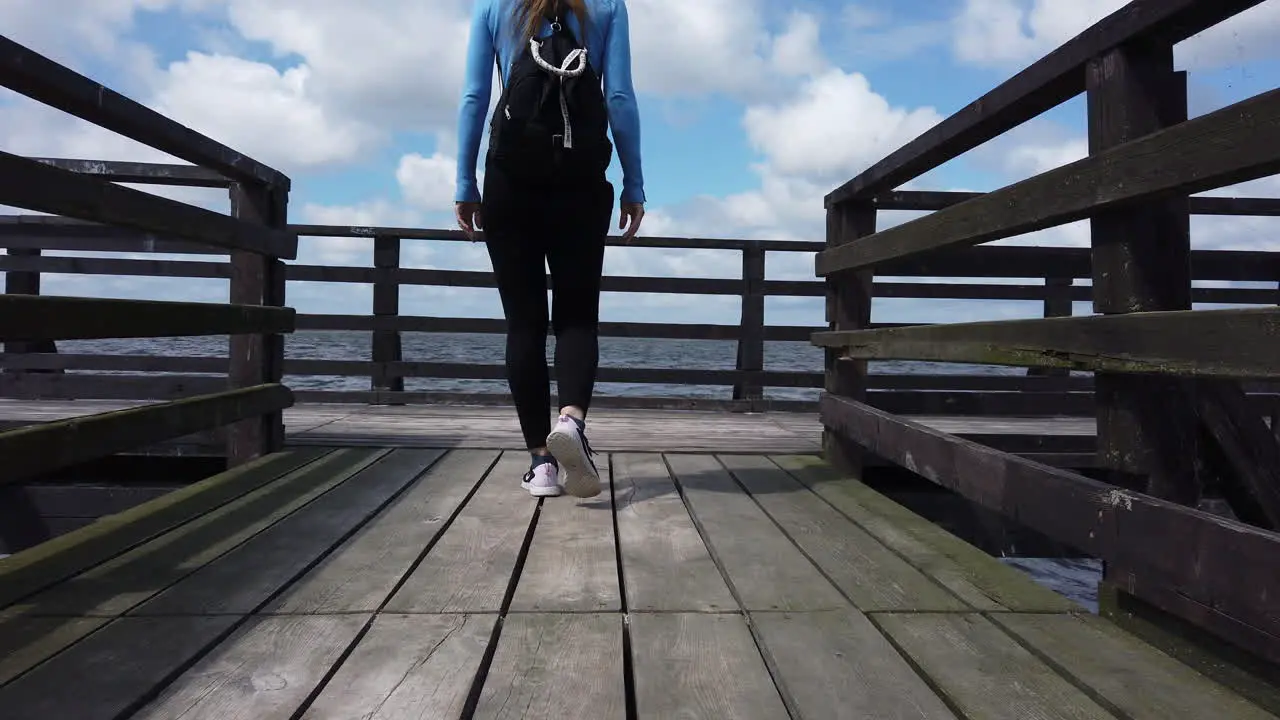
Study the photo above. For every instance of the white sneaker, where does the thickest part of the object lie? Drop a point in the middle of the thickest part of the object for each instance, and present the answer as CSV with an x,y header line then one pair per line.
x,y
541,481
568,445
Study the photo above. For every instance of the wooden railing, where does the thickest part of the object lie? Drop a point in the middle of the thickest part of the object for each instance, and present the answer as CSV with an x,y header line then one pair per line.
x,y
254,236
1174,425
1048,274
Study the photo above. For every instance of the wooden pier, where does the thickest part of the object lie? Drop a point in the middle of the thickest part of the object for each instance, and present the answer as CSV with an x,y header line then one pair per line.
x,y
290,553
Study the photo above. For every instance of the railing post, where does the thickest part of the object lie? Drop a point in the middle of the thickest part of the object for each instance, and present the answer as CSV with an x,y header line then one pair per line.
x,y
751,339
1057,303
259,358
26,282
848,308
386,304
1141,261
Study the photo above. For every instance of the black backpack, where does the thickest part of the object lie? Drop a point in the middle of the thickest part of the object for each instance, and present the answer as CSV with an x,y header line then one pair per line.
x,y
550,125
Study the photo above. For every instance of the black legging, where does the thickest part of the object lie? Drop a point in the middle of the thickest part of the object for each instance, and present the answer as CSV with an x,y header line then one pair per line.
x,y
529,227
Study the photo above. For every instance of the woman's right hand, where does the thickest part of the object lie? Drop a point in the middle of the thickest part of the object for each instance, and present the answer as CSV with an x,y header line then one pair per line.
x,y
633,212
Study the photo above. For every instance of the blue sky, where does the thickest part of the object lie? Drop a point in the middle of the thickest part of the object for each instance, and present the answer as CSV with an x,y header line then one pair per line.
x,y
751,111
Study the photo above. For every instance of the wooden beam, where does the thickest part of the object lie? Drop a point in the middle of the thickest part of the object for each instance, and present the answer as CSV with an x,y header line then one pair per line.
x,y
34,185
750,356
930,200
1237,143
848,309
1250,482
141,173
1216,562
36,449
1147,431
1046,83
44,317
1227,343
385,345
25,71
257,357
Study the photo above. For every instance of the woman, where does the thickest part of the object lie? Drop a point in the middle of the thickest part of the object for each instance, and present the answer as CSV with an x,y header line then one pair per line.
x,y
546,202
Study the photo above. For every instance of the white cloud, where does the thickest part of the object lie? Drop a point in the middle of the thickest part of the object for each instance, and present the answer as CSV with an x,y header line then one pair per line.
x,y
834,125
268,114
428,182
1004,33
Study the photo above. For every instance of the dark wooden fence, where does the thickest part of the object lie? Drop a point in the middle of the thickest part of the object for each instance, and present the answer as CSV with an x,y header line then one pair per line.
x,y
1047,273
250,398
1174,423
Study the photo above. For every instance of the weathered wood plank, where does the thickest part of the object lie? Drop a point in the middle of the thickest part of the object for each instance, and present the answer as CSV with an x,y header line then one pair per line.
x,y
35,449
836,664
359,575
50,317
763,566
264,671
1230,343
1228,146
123,582
470,567
975,577
1143,682
246,577
40,566
1049,81
1210,560
112,670
174,175
33,185
984,672
868,573
387,678
665,563
572,565
700,666
29,641
563,666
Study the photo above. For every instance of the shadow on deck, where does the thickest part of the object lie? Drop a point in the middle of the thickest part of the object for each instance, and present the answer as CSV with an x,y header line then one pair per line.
x,y
415,582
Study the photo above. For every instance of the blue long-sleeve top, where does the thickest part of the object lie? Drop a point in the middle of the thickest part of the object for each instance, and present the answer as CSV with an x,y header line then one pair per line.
x,y
494,30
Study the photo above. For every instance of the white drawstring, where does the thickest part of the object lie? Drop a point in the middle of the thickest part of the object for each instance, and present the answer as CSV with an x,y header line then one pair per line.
x,y
564,71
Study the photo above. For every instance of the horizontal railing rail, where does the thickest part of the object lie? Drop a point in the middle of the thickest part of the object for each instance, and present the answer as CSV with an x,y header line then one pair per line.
x,y
1177,426
127,377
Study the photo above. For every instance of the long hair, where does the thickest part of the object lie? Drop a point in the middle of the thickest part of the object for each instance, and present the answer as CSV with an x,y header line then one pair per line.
x,y
529,13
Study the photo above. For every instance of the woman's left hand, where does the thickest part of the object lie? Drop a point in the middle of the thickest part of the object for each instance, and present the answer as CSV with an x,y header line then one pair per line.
x,y
469,218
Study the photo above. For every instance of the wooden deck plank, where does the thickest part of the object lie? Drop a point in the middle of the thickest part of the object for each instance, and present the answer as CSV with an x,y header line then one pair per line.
x,y
836,665
974,576
57,559
28,641
360,574
665,563
264,671
407,666
471,566
767,571
1143,682
983,671
572,565
112,670
870,574
566,666
613,429
698,665
116,586
242,580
